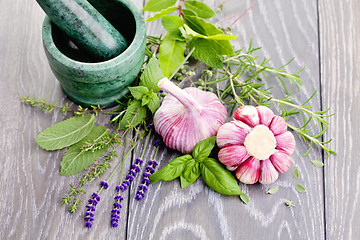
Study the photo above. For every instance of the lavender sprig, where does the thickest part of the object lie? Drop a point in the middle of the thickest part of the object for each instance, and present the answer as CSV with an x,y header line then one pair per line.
x,y
90,213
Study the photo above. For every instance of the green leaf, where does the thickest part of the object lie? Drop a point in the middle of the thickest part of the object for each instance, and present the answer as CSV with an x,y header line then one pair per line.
x,y
65,133
76,160
146,98
151,75
221,47
135,114
173,24
190,173
203,149
296,173
221,37
154,103
273,190
188,12
204,53
158,5
172,170
218,178
192,33
163,12
171,55
317,163
245,198
300,188
200,8
138,92
200,26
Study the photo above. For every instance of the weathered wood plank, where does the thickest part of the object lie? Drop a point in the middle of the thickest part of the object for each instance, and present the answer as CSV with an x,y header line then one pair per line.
x,y
340,48
169,212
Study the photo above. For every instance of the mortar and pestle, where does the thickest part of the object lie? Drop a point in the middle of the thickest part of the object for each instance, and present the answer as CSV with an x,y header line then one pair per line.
x,y
95,48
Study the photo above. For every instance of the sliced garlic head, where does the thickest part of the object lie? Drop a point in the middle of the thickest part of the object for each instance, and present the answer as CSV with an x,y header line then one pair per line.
x,y
260,142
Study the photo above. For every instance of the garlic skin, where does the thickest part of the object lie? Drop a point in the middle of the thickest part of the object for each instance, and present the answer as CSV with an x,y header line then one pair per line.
x,y
187,116
256,145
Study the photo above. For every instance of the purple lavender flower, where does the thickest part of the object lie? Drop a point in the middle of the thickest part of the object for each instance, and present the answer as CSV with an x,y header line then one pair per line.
x,y
104,184
135,168
89,215
115,213
140,194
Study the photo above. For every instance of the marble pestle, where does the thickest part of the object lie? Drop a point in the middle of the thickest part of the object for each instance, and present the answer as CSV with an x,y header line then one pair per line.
x,y
86,27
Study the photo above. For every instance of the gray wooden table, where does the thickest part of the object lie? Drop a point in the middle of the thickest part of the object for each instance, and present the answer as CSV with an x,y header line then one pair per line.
x,y
324,35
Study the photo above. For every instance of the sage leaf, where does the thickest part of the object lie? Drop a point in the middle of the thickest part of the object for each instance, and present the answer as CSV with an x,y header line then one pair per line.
x,y
317,163
151,75
171,55
65,133
218,178
296,173
190,173
134,115
200,8
203,149
273,190
76,160
245,198
154,103
205,53
172,170
138,92
163,12
158,5
300,188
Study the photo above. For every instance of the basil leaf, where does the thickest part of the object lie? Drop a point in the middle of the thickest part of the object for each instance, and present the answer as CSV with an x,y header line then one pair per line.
x,y
273,190
138,91
171,55
154,103
151,75
190,173
65,133
245,198
317,163
218,178
203,149
205,53
296,173
135,114
163,12
200,8
300,188
76,160
157,5
172,170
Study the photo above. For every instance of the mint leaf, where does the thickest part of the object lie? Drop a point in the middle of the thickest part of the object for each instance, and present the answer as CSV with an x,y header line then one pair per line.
x,y
300,188
163,12
65,133
154,103
138,92
171,55
172,170
204,53
76,160
317,163
218,178
200,26
190,173
146,98
296,173
151,75
200,8
135,114
157,5
203,149
273,190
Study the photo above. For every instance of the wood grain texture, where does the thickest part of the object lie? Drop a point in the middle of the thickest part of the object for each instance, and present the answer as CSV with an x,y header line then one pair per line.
x,y
31,186
340,72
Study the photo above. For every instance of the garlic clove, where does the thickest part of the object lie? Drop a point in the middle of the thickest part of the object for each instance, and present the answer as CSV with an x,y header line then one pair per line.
x,y
249,171
278,125
233,156
187,116
281,161
268,172
232,133
286,142
265,114
247,114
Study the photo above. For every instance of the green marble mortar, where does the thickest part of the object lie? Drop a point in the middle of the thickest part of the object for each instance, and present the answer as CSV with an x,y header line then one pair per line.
x,y
91,83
